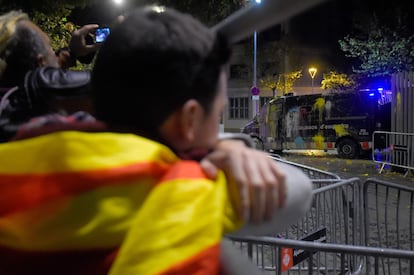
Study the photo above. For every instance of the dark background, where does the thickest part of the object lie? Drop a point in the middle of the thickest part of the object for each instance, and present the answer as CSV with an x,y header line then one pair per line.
x,y
318,28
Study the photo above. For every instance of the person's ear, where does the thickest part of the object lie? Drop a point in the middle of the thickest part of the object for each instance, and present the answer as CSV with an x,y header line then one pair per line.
x,y
190,119
41,60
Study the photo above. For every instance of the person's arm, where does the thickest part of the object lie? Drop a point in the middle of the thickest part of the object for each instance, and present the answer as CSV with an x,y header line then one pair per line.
x,y
256,183
298,201
65,59
270,196
49,81
81,47
78,44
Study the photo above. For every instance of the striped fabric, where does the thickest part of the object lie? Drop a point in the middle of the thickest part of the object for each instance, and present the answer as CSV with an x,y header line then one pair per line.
x,y
97,203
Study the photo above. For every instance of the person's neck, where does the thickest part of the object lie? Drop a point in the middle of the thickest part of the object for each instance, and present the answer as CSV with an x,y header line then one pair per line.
x,y
155,136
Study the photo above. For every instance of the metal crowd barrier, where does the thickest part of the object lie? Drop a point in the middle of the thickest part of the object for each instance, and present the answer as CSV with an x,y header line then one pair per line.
x,y
318,177
351,228
317,251
335,217
393,149
389,220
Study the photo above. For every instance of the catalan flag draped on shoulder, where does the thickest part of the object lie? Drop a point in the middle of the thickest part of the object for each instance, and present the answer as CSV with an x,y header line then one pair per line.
x,y
105,203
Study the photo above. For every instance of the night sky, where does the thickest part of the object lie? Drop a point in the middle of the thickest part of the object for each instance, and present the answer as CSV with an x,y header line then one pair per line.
x,y
330,20
320,27
103,13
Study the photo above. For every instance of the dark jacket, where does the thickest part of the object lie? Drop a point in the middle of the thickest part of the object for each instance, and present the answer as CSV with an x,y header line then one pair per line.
x,y
38,94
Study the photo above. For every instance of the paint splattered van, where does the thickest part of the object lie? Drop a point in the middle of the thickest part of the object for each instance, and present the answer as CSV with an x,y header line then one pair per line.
x,y
341,121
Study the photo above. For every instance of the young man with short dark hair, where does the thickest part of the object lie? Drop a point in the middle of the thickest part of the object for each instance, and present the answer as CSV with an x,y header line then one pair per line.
x,y
131,197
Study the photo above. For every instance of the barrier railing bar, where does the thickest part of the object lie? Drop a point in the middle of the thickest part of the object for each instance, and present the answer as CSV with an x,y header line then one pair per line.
x,y
402,156
328,247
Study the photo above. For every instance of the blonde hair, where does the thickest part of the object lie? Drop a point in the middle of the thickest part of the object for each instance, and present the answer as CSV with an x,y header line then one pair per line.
x,y
8,22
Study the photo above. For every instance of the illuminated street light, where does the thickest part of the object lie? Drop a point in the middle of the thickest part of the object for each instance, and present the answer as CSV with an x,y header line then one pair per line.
x,y
120,9
312,72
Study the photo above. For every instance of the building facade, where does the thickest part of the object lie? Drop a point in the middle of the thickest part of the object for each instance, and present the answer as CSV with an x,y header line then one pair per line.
x,y
242,105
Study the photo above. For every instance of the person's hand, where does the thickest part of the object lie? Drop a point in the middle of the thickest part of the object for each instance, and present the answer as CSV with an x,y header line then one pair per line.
x,y
78,45
256,184
65,59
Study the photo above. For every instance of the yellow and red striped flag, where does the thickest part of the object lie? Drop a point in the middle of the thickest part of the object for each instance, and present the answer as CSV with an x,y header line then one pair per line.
x,y
93,203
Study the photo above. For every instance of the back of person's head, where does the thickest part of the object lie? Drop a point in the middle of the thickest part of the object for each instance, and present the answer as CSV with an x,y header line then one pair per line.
x,y
20,47
151,64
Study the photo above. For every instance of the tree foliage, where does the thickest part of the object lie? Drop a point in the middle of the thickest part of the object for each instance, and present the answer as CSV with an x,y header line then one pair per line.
x,y
46,6
335,81
270,82
380,50
50,15
287,81
281,82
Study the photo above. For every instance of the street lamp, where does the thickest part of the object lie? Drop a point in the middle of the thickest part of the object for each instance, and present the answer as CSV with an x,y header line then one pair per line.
x,y
312,72
255,53
119,9
255,90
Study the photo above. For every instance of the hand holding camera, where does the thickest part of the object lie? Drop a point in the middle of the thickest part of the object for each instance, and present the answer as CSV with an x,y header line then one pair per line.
x,y
86,41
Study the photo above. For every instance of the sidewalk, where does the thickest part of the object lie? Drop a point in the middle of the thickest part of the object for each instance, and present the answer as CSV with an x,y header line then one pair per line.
x,y
347,168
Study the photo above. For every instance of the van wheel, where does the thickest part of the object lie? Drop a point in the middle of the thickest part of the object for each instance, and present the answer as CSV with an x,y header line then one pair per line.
x,y
258,143
347,148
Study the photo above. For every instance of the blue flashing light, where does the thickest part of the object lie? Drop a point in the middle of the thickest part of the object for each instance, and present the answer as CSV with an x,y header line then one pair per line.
x,y
376,84
371,94
258,1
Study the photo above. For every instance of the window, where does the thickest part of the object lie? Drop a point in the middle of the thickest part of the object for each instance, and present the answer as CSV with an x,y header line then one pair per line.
x,y
238,108
239,71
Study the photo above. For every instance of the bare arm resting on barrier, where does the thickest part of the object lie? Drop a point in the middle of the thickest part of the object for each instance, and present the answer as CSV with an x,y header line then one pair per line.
x,y
269,196
297,202
256,184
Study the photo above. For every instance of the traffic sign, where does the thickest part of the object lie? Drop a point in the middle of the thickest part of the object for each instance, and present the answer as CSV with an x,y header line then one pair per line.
x,y
255,90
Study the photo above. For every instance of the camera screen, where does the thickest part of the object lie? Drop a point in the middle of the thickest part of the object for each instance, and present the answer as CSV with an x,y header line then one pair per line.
x,y
101,34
